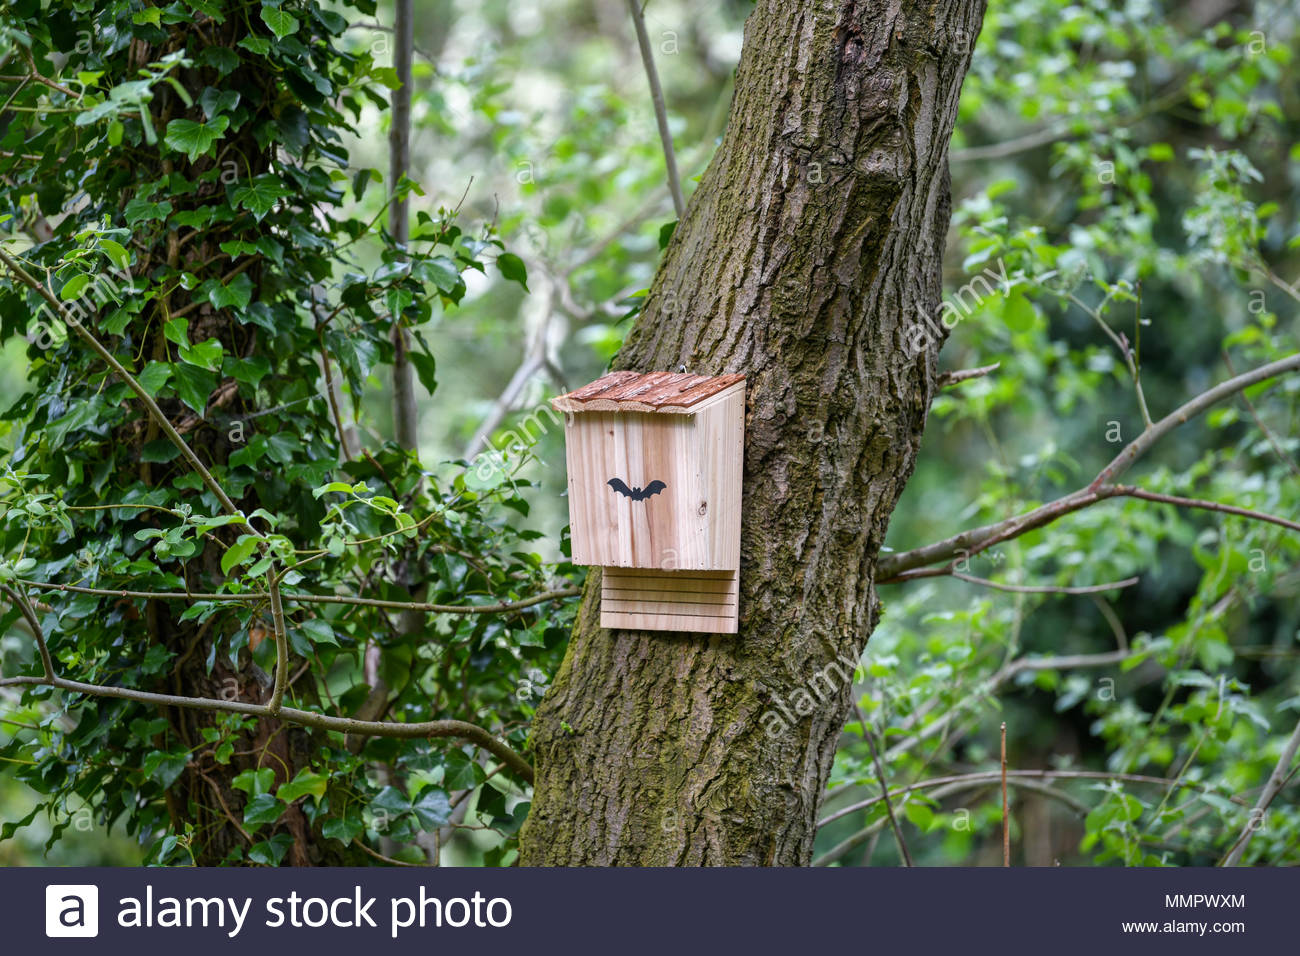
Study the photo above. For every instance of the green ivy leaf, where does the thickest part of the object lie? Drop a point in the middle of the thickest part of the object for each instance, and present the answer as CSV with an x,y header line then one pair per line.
x,y
73,288
205,355
343,829
271,852
253,782
426,369
235,295
263,808
282,24
193,385
432,809
177,331
319,631
306,782
195,139
143,210
259,196
154,376
116,253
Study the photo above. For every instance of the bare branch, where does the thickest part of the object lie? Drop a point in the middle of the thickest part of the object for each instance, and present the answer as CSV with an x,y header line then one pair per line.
x,y
845,846
1011,147
1131,492
893,567
948,379
457,729
1276,781
869,736
1059,131
1003,674
661,112
1125,350
405,409
1045,588
1006,816
281,645
1184,413
1272,440
332,390
994,776
29,615
534,360
258,596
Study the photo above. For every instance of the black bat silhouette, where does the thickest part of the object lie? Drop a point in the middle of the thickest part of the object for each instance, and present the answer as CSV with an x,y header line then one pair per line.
x,y
636,494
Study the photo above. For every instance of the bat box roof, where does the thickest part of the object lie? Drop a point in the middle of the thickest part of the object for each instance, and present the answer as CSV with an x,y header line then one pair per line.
x,y
668,392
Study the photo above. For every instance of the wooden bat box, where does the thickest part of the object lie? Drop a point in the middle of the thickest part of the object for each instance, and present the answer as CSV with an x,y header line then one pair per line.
x,y
654,496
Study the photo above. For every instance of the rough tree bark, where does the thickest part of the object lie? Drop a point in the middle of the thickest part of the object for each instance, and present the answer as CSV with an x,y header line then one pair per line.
x,y
812,242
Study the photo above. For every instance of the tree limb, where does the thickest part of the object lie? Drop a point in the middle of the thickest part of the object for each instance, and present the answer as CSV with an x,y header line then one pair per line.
x,y
405,410
956,377
1276,781
868,734
258,596
458,729
1045,588
892,567
994,776
29,615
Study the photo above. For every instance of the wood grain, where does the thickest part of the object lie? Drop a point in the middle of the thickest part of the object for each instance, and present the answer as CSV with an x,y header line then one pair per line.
x,y
668,392
677,601
693,524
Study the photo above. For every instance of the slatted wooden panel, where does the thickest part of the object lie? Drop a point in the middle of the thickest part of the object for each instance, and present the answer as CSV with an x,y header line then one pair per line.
x,y
698,601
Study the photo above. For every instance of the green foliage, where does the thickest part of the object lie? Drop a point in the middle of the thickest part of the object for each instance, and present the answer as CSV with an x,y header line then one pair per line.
x,y
1140,178
1151,223
189,162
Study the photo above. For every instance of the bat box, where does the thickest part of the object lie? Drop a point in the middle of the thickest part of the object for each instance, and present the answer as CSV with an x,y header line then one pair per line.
x,y
654,496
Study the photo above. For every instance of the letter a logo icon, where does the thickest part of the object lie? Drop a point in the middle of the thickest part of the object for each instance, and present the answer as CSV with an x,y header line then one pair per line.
x,y
71,910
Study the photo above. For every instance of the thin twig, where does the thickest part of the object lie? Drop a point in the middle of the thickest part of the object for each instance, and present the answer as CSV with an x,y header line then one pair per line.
x,y
1046,588
1132,492
281,646
330,390
661,112
406,414
1276,781
1006,817
386,859
892,566
1272,440
29,615
1124,350
992,776
956,377
869,737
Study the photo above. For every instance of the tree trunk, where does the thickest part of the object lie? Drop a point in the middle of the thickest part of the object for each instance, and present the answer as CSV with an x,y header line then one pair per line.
x,y
812,242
